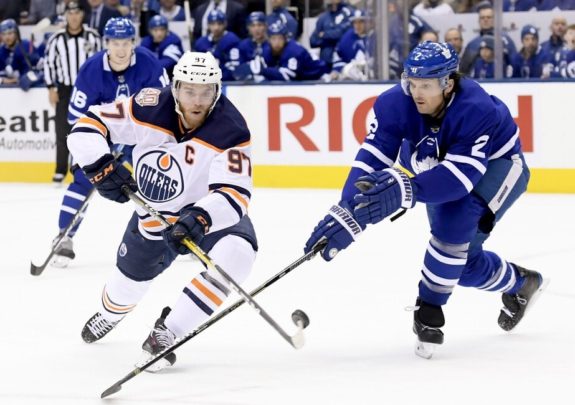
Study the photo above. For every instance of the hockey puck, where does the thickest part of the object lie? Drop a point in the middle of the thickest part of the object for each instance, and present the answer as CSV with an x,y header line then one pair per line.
x,y
298,316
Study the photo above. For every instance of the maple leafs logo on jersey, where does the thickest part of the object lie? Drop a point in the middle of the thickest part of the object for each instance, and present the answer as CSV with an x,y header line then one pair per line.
x,y
159,176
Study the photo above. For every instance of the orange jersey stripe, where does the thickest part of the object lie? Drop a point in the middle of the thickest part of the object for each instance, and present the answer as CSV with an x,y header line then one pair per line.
x,y
213,297
237,195
108,304
207,145
93,122
147,124
153,223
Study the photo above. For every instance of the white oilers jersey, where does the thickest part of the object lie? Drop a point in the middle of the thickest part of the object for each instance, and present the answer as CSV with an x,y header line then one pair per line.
x,y
209,167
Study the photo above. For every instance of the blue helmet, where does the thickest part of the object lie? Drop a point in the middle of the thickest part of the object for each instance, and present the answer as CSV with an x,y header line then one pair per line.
x,y
119,28
216,16
430,60
158,21
256,16
8,25
277,28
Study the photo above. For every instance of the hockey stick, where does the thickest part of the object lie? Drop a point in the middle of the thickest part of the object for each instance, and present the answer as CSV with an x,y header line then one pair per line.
x,y
37,270
299,317
297,340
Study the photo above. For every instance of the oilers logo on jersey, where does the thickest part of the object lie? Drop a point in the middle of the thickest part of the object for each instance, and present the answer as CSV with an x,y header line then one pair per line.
x,y
159,176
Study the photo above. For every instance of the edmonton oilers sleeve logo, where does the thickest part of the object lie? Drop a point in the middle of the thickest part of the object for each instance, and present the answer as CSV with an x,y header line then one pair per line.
x,y
159,176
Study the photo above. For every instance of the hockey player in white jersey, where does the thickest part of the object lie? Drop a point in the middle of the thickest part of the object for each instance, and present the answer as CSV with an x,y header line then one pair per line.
x,y
191,162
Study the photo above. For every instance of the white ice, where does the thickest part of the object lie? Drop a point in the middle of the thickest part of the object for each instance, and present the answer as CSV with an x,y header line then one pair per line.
x,y
359,346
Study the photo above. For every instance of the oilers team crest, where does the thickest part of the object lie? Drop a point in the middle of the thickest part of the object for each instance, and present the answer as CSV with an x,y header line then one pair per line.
x,y
159,176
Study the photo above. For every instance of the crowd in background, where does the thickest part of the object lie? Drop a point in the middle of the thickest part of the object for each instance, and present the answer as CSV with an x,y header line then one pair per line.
x,y
253,46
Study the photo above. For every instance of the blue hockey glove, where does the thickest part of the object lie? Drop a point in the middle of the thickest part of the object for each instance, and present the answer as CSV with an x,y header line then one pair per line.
x,y
109,176
382,193
339,228
194,223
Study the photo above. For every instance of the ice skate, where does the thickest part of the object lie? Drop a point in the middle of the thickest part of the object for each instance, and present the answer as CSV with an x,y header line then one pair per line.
x,y
64,253
515,306
427,321
160,338
97,327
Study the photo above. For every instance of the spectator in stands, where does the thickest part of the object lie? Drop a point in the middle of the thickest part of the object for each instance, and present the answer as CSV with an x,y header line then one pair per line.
x,y
555,44
566,66
235,14
281,13
172,11
429,35
546,5
121,6
330,27
531,60
283,60
166,45
141,12
486,28
99,14
427,8
10,9
354,50
39,9
18,58
453,36
484,67
519,5
219,42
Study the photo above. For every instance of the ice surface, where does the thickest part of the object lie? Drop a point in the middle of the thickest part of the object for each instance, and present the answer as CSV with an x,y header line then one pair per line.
x,y
359,346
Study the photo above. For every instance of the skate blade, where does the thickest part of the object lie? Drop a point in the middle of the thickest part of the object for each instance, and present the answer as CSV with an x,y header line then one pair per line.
x,y
61,262
425,349
156,367
536,295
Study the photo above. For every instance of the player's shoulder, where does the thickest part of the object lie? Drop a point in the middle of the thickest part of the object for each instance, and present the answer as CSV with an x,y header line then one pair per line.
x,y
144,55
172,38
154,107
225,126
392,98
93,64
471,97
147,42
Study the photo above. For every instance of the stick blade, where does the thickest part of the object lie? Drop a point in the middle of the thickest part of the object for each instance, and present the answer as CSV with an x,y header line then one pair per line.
x,y
36,270
112,390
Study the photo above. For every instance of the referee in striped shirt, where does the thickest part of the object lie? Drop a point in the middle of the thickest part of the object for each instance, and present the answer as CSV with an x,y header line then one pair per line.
x,y
66,51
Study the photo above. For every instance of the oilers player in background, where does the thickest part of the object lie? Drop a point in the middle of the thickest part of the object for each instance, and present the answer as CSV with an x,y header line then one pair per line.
x,y
113,74
166,45
460,154
219,42
250,48
283,59
192,163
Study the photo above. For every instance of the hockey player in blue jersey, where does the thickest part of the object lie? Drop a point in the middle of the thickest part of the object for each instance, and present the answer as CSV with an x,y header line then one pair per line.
x,y
192,163
354,49
330,27
166,45
280,13
283,59
118,72
252,47
219,42
18,57
460,154
531,61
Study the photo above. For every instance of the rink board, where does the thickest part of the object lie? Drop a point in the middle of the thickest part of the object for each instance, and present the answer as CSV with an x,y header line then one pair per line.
x,y
308,135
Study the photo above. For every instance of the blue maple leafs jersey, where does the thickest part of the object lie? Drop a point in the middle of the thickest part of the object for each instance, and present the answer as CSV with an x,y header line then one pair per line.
x,y
531,67
97,83
168,52
447,157
220,49
294,63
